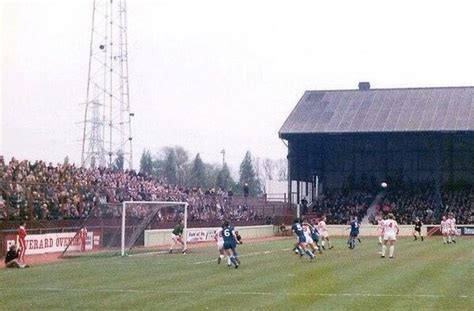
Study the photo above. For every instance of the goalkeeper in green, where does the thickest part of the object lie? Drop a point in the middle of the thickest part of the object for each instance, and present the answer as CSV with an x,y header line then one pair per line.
x,y
177,236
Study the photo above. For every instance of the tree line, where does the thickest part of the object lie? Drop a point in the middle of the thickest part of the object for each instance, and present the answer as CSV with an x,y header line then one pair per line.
x,y
174,166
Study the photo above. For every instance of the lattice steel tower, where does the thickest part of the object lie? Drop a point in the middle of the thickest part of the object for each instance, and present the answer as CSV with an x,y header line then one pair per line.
x,y
107,118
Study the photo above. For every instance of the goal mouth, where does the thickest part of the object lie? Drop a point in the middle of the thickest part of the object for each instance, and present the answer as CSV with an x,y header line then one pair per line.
x,y
114,229
148,211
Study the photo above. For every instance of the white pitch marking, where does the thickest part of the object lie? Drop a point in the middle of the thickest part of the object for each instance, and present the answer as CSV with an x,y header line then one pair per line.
x,y
161,291
147,254
244,255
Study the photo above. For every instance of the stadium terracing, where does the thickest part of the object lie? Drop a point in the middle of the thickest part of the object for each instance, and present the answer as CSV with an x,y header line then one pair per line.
x,y
339,138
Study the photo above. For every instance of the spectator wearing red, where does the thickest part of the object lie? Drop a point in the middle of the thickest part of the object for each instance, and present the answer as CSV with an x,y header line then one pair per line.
x,y
22,241
83,238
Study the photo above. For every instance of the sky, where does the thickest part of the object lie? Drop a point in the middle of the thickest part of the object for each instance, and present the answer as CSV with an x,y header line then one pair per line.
x,y
212,75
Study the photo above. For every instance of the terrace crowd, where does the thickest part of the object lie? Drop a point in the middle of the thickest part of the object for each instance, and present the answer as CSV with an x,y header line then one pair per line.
x,y
65,191
406,204
428,205
339,206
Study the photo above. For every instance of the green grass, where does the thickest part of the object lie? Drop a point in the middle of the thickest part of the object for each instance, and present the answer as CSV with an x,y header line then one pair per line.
x,y
424,275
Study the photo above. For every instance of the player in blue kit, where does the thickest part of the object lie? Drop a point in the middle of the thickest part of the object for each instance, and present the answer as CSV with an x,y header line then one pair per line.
x,y
301,244
297,248
354,234
230,243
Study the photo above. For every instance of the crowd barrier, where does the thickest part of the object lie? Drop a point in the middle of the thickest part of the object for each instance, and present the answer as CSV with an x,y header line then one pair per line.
x,y
53,242
405,230
371,230
161,237
461,230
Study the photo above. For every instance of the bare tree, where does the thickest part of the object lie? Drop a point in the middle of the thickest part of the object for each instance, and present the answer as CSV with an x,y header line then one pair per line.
x,y
182,158
281,167
268,167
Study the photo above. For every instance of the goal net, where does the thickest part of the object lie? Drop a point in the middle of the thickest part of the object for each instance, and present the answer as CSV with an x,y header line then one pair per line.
x,y
119,228
147,215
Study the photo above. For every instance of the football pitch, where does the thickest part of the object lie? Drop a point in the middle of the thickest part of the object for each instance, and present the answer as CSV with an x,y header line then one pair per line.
x,y
424,276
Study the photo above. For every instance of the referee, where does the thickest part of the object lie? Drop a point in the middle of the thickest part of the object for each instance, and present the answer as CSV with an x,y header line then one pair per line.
x,y
417,230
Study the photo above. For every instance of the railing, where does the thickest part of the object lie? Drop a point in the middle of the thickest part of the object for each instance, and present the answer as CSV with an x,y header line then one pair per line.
x,y
278,197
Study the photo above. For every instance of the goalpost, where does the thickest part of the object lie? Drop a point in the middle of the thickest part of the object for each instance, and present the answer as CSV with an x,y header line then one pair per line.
x,y
149,205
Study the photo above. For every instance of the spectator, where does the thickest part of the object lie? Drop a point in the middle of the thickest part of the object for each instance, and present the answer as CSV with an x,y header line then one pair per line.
x,y
246,190
339,206
65,191
304,205
12,258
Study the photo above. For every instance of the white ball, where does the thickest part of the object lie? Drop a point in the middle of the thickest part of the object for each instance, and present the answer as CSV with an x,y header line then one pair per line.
x,y
384,185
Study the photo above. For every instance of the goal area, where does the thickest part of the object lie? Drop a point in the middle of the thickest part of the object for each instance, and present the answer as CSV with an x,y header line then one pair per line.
x,y
146,212
120,227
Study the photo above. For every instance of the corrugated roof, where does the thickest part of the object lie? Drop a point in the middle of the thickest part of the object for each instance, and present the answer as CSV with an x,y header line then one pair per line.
x,y
383,110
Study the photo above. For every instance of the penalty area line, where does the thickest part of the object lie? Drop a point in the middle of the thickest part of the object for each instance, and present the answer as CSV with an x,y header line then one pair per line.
x,y
231,293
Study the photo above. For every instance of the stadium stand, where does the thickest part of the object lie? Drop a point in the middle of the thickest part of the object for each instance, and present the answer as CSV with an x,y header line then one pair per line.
x,y
420,141
339,206
65,191
406,204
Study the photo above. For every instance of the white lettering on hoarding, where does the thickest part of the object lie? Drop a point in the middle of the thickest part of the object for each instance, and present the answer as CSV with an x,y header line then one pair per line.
x,y
200,235
468,231
53,242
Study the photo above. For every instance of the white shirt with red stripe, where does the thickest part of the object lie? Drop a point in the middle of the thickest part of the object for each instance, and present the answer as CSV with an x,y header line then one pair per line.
x,y
444,226
452,225
390,226
380,227
306,231
323,231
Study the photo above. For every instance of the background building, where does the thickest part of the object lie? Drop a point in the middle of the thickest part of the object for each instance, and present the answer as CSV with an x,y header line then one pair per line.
x,y
359,138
